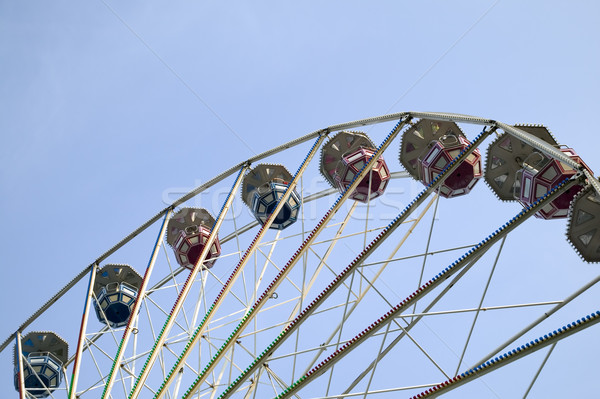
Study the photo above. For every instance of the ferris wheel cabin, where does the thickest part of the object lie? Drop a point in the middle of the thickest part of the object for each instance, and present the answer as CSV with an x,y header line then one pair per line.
x,y
43,356
539,174
262,189
115,289
187,234
427,149
344,156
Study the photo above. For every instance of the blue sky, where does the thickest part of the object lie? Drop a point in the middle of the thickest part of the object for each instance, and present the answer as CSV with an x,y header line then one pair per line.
x,y
106,106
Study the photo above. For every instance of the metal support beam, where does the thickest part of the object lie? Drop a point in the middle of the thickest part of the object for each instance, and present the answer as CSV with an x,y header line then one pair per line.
x,y
427,288
340,278
170,321
237,270
487,285
157,217
19,359
414,319
333,128
528,348
537,321
296,257
538,144
136,308
538,372
82,330
370,285
592,180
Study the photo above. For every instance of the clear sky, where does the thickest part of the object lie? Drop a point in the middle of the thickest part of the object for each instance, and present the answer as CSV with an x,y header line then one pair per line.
x,y
107,107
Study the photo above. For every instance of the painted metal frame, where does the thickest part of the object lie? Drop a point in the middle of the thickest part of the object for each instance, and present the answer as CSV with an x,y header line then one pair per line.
x,y
320,134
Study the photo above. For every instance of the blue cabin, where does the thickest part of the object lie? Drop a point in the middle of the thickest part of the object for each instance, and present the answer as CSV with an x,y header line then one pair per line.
x,y
262,189
43,356
115,291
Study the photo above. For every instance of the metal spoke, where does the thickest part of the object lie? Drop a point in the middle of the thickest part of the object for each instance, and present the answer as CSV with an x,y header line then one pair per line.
x,y
379,272
537,374
462,355
425,254
387,330
242,321
543,317
414,319
340,327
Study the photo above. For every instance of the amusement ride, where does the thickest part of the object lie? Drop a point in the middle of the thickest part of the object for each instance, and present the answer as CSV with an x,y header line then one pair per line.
x,y
301,287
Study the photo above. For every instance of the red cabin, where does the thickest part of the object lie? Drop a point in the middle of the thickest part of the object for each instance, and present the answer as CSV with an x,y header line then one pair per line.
x,y
190,244
539,174
441,153
372,185
344,155
188,232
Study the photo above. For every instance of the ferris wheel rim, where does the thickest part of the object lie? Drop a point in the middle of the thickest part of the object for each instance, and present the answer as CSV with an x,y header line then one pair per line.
x,y
290,144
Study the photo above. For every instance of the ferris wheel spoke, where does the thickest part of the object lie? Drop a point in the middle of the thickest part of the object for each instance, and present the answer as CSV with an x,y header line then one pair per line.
x,y
322,262
340,278
286,322
270,260
96,384
121,379
264,267
253,388
228,358
20,358
140,381
346,194
254,318
341,324
456,266
95,348
236,232
175,285
274,377
372,281
375,391
536,322
141,294
251,249
102,380
539,370
223,368
404,332
275,392
239,252
419,255
387,329
462,355
163,312
479,309
333,273
82,333
366,229
94,337
425,254
200,301
239,232
233,294
414,319
512,355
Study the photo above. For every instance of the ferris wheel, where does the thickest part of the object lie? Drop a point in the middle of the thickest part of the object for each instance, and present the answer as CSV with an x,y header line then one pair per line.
x,y
342,264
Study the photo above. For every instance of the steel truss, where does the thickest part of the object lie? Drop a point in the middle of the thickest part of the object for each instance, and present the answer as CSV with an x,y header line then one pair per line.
x,y
253,335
